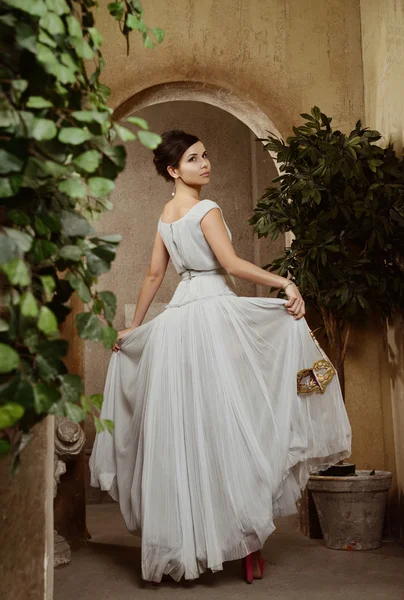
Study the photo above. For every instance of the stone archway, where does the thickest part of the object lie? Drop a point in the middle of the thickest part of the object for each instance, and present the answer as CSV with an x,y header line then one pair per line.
x,y
243,109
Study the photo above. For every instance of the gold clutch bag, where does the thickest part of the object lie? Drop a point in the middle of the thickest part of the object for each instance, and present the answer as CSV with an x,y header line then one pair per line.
x,y
316,378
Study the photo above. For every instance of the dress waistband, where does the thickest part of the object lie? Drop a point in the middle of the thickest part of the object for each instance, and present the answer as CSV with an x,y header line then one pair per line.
x,y
191,273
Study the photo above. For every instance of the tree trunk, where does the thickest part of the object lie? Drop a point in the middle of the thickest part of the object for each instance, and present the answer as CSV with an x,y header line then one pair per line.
x,y
337,334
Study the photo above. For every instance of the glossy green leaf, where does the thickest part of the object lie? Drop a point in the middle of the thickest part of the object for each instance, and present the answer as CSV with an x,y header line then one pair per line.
x,y
43,129
71,253
38,102
74,135
71,387
48,284
100,186
73,188
28,305
10,413
142,123
109,300
125,134
44,397
21,238
96,265
8,249
73,224
149,139
96,400
109,335
88,161
89,326
9,359
9,163
47,321
74,412
17,272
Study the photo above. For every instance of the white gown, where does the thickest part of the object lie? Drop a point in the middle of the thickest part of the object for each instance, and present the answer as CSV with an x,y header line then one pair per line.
x,y
212,441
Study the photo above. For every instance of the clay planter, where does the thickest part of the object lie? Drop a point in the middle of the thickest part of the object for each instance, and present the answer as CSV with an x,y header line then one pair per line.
x,y
351,509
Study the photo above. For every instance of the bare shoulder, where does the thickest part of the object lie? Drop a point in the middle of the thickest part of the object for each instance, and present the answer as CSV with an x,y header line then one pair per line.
x,y
173,211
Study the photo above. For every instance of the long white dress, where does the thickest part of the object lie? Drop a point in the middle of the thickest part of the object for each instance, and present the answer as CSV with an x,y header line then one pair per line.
x,y
212,440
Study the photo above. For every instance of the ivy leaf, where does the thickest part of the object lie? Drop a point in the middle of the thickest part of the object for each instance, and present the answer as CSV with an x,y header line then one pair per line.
x,y
10,413
138,121
43,129
71,388
47,321
89,327
73,188
17,272
109,336
159,33
80,286
52,23
96,400
74,412
88,161
18,217
44,397
74,135
22,239
99,426
28,305
149,139
9,162
70,253
112,238
38,102
109,300
8,249
43,249
74,224
100,186
9,359
96,265
125,134
48,284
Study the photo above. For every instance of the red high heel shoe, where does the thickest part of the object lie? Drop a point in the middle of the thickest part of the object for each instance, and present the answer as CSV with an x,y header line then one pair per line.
x,y
248,568
253,567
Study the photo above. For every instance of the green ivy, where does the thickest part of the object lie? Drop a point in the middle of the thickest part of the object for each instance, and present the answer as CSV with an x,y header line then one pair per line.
x,y
58,164
342,196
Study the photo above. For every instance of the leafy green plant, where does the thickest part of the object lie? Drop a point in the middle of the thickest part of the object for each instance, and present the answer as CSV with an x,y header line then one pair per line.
x,y
342,197
58,164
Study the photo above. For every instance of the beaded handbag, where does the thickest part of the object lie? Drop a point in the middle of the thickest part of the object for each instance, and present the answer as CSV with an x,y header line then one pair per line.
x,y
316,378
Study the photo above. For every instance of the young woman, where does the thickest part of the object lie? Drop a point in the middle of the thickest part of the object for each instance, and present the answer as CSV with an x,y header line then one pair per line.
x,y
215,435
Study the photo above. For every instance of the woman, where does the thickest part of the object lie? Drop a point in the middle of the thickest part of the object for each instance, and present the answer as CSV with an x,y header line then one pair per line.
x,y
213,437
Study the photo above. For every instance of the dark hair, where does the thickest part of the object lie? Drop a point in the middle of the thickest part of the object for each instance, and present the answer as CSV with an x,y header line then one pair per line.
x,y
170,150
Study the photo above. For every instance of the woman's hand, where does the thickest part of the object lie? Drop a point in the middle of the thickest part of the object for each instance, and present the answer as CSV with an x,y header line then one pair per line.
x,y
116,347
295,304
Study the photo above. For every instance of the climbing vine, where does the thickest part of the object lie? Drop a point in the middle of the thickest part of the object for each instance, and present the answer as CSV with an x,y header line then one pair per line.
x,y
59,158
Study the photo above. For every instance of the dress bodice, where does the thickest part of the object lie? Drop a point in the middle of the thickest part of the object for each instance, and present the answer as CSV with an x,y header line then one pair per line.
x,y
185,241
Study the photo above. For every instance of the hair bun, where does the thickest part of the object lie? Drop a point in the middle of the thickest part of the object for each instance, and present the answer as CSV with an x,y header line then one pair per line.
x,y
169,152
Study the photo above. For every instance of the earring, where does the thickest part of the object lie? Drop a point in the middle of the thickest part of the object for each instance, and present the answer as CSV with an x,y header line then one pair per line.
x,y
173,193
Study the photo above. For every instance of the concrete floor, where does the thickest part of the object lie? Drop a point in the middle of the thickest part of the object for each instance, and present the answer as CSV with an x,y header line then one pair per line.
x,y
296,568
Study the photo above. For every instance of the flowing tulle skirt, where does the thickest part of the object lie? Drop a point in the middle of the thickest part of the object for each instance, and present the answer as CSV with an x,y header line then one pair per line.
x,y
212,440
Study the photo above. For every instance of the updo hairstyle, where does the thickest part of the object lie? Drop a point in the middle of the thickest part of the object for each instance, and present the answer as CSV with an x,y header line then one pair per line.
x,y
170,150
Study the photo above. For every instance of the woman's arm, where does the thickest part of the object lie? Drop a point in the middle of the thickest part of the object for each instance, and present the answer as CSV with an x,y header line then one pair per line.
x,y
151,283
218,239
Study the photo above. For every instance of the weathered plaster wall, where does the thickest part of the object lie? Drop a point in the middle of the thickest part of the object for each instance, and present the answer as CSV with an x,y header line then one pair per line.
x,y
383,70
26,520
